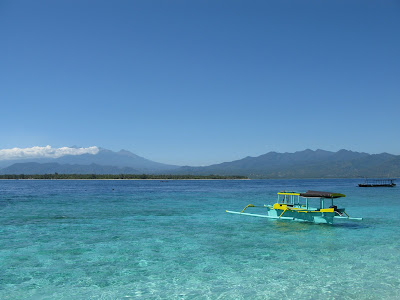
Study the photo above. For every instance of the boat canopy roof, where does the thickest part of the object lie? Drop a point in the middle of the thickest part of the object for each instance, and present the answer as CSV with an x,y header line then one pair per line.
x,y
317,194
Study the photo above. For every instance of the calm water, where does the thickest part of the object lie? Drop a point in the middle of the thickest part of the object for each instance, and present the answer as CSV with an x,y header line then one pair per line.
x,y
173,240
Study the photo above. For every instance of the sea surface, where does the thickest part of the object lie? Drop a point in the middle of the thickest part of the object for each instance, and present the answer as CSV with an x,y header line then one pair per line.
x,y
137,239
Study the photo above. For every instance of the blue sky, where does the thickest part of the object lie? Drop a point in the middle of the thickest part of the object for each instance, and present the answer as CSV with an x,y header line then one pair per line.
x,y
201,82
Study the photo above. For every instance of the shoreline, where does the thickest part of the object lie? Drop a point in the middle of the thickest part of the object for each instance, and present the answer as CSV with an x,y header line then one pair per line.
x,y
127,179
170,179
163,177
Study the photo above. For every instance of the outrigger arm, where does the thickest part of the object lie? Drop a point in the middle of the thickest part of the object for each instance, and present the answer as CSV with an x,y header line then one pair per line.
x,y
260,216
348,217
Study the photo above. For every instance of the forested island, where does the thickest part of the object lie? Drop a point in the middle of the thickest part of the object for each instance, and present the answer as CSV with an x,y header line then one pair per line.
x,y
120,176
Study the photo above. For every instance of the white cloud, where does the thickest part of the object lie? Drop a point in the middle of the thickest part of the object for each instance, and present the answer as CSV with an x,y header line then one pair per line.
x,y
44,152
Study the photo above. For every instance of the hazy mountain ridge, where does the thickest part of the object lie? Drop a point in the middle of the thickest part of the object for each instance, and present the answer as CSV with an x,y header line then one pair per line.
x,y
124,160
121,158
306,164
300,164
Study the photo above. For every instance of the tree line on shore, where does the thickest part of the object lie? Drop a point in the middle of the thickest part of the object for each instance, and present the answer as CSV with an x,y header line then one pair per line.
x,y
112,176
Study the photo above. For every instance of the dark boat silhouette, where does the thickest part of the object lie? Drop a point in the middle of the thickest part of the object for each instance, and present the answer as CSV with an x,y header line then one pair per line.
x,y
377,183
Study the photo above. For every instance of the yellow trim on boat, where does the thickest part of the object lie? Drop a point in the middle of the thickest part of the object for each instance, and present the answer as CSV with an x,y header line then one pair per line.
x,y
327,210
289,193
250,205
287,208
284,207
311,211
279,206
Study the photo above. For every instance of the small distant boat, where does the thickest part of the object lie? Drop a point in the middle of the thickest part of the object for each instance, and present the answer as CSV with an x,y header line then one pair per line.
x,y
378,183
295,206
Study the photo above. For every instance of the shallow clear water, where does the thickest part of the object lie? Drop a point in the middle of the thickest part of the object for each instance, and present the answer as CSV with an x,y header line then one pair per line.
x,y
173,240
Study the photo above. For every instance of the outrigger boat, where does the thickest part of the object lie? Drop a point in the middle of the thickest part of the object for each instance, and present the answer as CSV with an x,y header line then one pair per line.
x,y
295,206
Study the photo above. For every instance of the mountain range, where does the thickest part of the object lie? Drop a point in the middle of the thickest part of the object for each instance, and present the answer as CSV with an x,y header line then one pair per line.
x,y
307,164
300,164
103,162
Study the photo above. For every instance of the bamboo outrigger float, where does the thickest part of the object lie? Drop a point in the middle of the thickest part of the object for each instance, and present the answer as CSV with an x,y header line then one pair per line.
x,y
295,206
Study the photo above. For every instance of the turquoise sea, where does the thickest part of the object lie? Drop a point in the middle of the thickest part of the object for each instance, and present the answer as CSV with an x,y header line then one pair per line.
x,y
117,239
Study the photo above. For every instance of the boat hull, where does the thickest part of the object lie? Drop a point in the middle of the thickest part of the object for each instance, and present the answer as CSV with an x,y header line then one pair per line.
x,y
309,216
376,185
